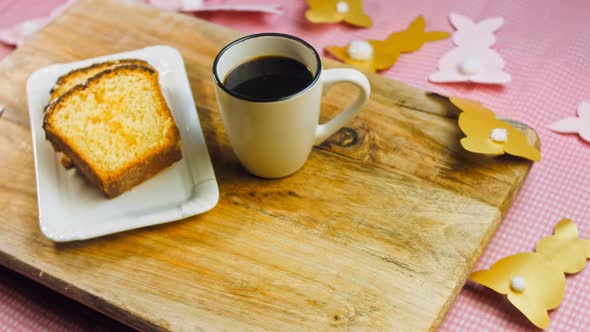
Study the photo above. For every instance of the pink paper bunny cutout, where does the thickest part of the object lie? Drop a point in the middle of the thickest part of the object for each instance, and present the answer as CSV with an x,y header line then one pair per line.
x,y
15,35
579,125
207,5
472,60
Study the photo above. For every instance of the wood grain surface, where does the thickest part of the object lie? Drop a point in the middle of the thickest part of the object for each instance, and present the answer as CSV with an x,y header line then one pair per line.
x,y
378,231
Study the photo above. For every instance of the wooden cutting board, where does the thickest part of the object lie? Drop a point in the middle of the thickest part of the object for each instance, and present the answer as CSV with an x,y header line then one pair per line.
x,y
377,232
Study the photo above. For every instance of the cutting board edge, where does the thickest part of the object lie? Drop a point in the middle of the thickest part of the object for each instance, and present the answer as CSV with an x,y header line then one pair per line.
x,y
77,294
65,288
484,244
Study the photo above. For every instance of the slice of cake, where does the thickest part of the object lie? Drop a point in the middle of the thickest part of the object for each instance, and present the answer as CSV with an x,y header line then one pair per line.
x,y
81,75
117,128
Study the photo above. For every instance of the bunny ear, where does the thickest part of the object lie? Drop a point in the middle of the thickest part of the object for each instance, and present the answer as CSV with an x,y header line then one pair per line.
x,y
567,125
566,229
491,24
460,22
436,35
418,24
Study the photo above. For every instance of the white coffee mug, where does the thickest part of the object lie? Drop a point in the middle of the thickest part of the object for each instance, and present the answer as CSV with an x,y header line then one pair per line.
x,y
273,138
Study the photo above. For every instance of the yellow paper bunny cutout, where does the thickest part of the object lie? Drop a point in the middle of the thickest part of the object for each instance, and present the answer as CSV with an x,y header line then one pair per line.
x,y
489,135
334,11
374,55
414,37
535,282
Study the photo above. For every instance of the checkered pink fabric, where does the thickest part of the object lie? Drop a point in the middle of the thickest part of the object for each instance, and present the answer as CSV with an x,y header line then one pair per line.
x,y
546,45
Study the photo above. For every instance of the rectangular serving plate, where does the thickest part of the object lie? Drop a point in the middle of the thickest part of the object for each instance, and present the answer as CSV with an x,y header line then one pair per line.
x,y
72,209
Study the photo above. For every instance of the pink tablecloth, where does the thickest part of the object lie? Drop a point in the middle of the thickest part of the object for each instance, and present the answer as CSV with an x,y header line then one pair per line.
x,y
546,45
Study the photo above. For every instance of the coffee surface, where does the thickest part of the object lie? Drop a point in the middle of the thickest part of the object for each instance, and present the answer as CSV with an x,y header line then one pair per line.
x,y
268,78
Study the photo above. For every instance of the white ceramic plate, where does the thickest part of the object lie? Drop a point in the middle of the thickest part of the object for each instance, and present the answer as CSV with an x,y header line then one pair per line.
x,y
70,209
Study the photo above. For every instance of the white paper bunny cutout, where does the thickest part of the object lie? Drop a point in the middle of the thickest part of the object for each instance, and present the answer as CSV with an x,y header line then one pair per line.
x,y
472,60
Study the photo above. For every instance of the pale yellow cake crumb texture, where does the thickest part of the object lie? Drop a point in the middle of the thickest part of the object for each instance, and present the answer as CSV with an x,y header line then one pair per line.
x,y
115,122
79,76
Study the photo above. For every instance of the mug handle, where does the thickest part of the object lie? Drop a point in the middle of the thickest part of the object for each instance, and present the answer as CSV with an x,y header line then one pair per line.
x,y
341,75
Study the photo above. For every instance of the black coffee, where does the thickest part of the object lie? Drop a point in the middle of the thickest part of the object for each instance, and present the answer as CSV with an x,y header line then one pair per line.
x,y
268,78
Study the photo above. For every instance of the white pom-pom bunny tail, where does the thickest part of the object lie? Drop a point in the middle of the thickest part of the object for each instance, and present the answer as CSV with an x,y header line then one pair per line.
x,y
518,284
499,135
471,66
342,7
360,50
